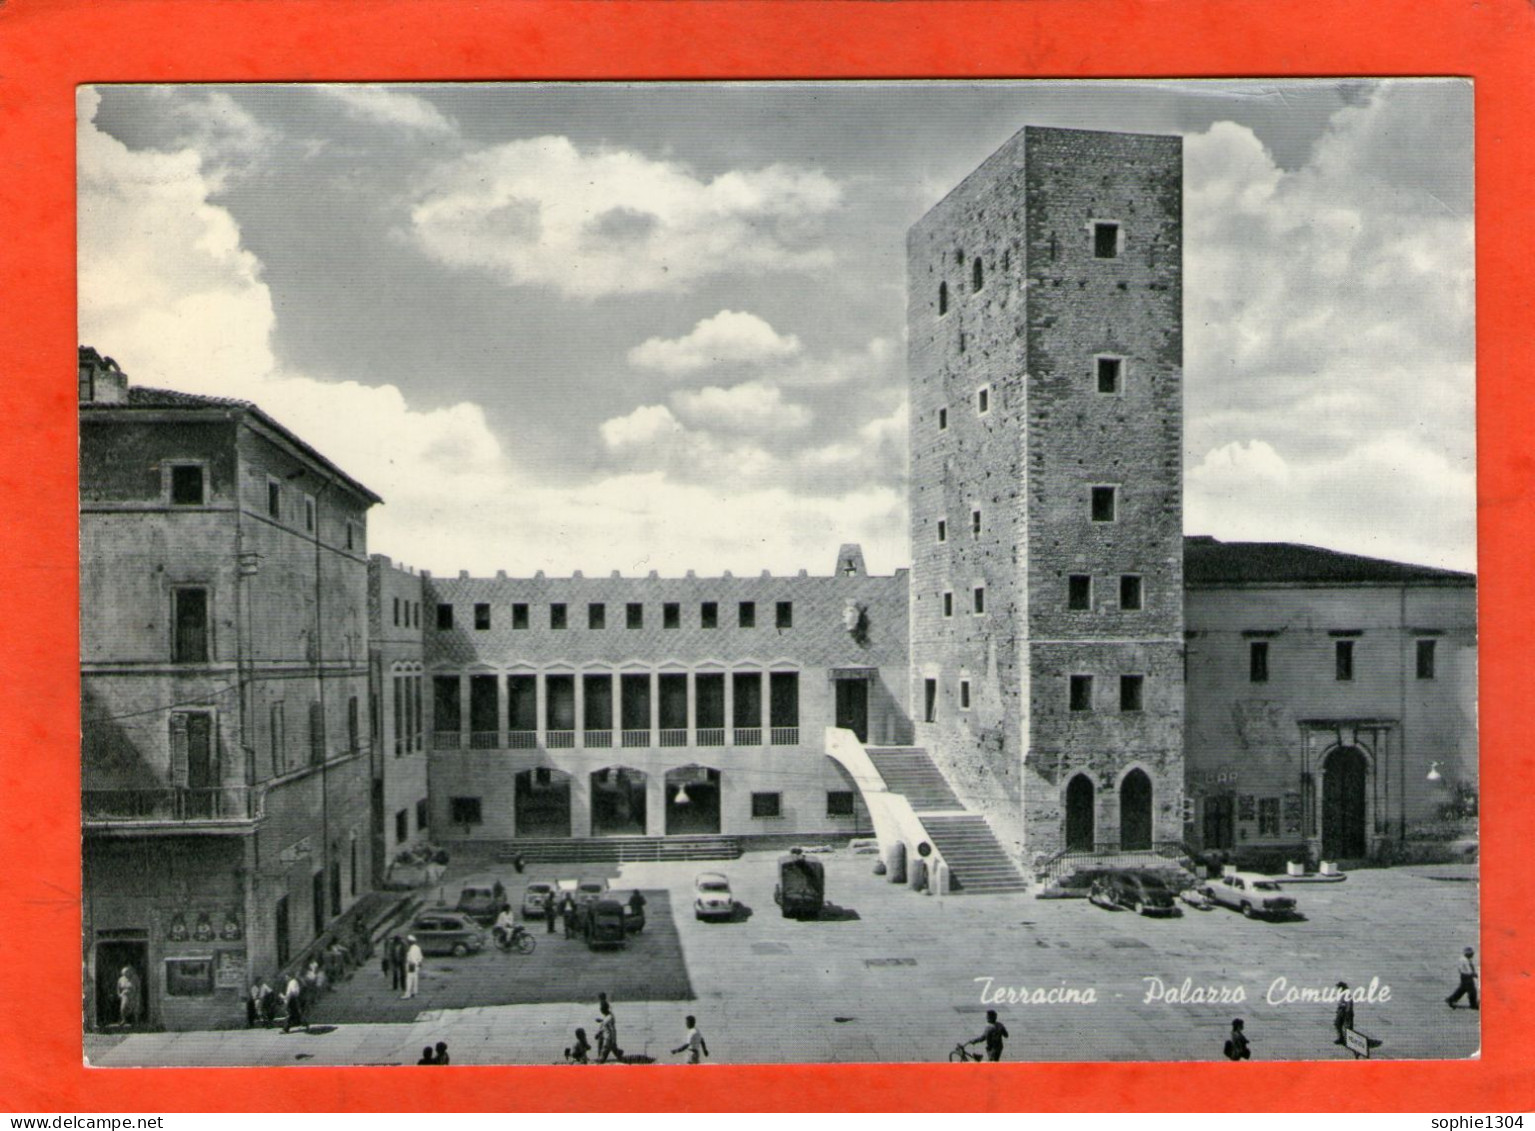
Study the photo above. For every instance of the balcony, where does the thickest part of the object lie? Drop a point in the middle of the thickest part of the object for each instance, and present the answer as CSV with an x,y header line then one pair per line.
x,y
711,736
560,739
170,805
484,740
748,736
674,736
445,739
785,736
637,737
522,740
597,739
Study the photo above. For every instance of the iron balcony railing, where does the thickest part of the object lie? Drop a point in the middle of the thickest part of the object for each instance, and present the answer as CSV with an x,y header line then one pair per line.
x,y
785,736
674,736
559,739
637,737
171,803
522,739
597,739
711,736
748,736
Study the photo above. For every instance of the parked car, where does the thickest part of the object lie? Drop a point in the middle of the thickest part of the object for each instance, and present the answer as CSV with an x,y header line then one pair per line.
x,y
603,924
590,889
712,898
801,888
634,910
533,898
1141,892
446,931
562,888
1251,894
480,898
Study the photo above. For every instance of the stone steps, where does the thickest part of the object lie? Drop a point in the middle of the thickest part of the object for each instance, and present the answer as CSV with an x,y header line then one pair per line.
x,y
909,771
977,863
618,849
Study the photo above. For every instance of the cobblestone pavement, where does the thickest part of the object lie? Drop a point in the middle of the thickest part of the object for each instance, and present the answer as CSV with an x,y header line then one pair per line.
x,y
899,976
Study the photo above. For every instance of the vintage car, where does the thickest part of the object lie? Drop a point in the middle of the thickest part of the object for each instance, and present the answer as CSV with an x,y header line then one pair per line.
x,y
444,930
1251,894
711,896
1141,892
634,909
533,897
602,924
480,898
801,888
590,889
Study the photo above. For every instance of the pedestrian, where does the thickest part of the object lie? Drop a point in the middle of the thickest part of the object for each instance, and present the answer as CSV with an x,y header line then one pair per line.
x,y
397,948
993,1037
1343,1018
637,903
549,911
427,1056
442,1053
412,968
128,996
568,913
293,1002
694,1043
271,1002
1237,1045
607,1034
518,863
1467,987
576,1053
253,1007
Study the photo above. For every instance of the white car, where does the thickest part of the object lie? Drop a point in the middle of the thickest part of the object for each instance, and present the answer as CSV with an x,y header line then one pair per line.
x,y
711,896
1251,894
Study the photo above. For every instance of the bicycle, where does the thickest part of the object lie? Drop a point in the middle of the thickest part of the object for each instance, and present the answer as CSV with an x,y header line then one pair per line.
x,y
961,1054
520,940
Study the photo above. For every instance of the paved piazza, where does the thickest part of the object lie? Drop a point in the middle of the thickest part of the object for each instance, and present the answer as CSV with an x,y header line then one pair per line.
x,y
897,976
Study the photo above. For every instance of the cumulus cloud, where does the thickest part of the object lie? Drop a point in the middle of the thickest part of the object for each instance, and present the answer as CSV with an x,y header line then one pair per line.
x,y
730,337
592,223
754,408
387,106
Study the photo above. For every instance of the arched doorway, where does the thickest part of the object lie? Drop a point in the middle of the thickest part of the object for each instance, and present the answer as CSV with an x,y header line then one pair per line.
x,y
1080,803
1135,812
618,802
543,802
692,801
1345,775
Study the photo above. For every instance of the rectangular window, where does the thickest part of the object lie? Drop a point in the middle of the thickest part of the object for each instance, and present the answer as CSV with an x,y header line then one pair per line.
x,y
1110,371
979,602
672,701
1131,691
929,700
397,612
402,826
276,732
964,695
943,420
1343,660
634,615
767,805
444,617
783,699
597,702
187,485
309,513
983,400
353,725
1426,659
189,644
746,614
1081,693
943,530
522,703
1079,592
975,524
1105,240
483,709
415,620
481,616
1103,504
447,710
464,810
189,977
671,614
785,614
1257,661
596,615
634,703
316,733
709,702
560,702
557,615
747,705
839,803
709,614
948,604
520,616
274,499
400,730
1130,593
1268,816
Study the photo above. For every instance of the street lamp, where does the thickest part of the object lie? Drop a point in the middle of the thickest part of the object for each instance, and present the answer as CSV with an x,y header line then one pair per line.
x,y
1433,772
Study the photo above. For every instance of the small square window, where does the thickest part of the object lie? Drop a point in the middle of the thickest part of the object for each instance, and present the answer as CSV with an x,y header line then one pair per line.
x,y
481,616
983,400
187,485
948,604
1079,592
1130,593
975,524
1426,659
1131,688
444,617
839,803
943,420
1104,504
671,615
1258,661
785,614
943,530
964,695
767,805
274,499
1110,372
596,615
464,810
929,700
1081,693
520,615
709,614
1343,660
979,602
746,614
557,615
1105,240
634,615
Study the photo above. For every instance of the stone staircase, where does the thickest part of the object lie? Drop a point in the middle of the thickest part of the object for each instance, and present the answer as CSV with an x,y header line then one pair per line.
x,y
909,771
617,849
977,863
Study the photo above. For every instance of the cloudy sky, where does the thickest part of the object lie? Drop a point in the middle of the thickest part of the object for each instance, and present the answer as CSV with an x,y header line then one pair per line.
x,y
661,327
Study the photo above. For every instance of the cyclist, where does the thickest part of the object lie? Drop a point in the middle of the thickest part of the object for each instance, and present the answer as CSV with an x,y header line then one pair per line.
x,y
506,925
995,1034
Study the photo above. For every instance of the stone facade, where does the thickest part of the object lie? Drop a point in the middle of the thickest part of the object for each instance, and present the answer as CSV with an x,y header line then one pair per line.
x,y
1045,339
398,698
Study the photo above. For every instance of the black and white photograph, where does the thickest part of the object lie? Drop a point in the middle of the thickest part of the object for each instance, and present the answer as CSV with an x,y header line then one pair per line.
x,y
778,572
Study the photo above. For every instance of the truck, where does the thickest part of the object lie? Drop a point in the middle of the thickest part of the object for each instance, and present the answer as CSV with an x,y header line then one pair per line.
x,y
801,889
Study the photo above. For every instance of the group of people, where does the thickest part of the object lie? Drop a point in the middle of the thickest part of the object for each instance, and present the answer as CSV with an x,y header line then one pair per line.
x,y
439,1055
401,962
607,1039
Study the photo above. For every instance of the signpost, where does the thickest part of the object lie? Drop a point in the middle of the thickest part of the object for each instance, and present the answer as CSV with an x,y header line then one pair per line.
x,y
1356,1043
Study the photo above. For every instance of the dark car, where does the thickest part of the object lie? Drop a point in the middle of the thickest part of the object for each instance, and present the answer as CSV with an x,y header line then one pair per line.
x,y
603,923
1140,892
446,931
481,898
801,889
634,909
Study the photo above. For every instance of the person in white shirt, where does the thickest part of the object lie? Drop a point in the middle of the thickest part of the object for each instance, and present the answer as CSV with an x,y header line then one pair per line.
x,y
694,1045
1467,987
505,924
413,958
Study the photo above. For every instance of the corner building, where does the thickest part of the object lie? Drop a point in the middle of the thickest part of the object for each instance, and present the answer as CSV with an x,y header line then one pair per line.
x,y
1045,339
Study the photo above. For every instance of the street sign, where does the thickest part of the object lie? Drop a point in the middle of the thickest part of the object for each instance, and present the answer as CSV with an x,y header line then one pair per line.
x,y
1356,1043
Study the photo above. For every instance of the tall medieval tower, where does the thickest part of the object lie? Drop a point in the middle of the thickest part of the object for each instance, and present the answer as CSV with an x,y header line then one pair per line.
x,y
1046,352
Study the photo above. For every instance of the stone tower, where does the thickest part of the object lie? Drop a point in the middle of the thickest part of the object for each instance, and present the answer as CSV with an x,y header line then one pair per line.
x,y
1046,351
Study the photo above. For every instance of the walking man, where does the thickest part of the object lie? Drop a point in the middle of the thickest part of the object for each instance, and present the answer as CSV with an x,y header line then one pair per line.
x,y
607,1035
293,1003
549,912
397,950
994,1036
412,968
568,914
694,1043
1237,1046
1343,1018
1467,987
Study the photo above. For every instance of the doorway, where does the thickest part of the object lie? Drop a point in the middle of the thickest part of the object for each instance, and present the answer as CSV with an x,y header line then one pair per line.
x,y
1219,822
1345,775
1135,812
1080,803
112,957
618,801
692,801
853,707
542,802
